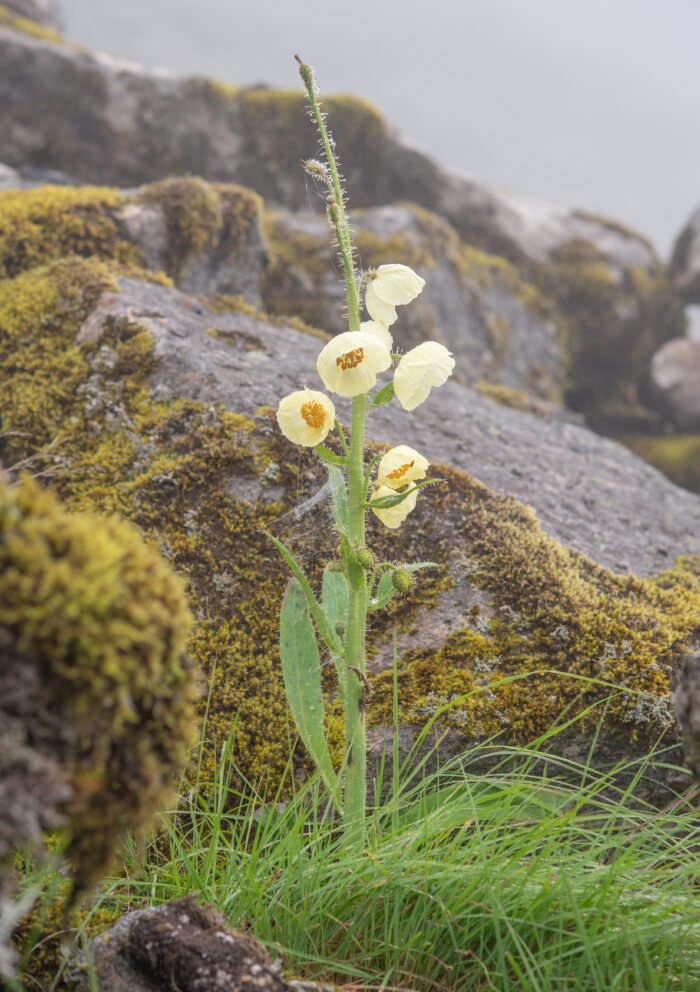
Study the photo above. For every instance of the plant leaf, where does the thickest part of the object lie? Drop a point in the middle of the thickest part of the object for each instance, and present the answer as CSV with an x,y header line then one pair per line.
x,y
335,599
339,499
385,591
329,456
301,671
385,395
385,501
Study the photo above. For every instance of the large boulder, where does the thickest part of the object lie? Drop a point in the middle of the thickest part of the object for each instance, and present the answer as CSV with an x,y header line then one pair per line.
x,y
675,381
557,548
685,260
23,14
500,328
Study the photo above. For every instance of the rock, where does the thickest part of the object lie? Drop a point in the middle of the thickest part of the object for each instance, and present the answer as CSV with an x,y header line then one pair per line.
x,y
178,945
499,328
167,411
205,237
675,381
96,696
45,12
676,455
685,260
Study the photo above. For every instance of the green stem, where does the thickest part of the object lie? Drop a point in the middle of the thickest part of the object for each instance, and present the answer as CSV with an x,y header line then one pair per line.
x,y
355,737
342,227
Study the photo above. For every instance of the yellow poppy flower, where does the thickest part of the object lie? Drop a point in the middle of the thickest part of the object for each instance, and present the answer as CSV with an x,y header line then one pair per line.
x,y
349,363
381,330
401,465
306,417
391,286
429,364
393,516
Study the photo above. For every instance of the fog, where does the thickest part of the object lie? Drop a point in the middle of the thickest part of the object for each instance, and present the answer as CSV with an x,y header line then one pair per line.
x,y
591,104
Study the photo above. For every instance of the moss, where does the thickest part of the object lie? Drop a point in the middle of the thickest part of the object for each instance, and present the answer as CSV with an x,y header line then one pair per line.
x,y
104,620
677,456
552,610
51,222
517,399
9,19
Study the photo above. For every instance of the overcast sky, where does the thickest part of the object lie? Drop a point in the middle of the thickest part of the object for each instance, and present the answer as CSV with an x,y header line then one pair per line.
x,y
593,103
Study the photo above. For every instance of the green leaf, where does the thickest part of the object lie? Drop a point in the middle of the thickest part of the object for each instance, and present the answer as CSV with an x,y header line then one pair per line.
x,y
384,593
385,590
311,601
335,599
339,499
385,395
385,501
301,671
329,456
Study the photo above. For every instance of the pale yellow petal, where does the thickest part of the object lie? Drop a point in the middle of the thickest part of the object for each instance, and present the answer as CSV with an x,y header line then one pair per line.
x,y
393,516
378,309
349,363
306,417
400,466
381,330
397,284
429,364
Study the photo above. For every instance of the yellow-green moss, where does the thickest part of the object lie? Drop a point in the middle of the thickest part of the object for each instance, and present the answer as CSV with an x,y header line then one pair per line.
x,y
552,610
104,620
50,222
517,399
677,456
9,19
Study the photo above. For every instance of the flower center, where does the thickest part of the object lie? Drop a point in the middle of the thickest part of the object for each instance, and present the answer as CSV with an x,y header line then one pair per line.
x,y
399,472
351,359
313,413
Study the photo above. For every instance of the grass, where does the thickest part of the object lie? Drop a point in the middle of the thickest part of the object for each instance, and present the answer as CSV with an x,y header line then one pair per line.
x,y
504,880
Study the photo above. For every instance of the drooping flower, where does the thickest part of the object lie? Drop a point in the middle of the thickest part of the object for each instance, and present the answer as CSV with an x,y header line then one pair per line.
x,y
381,330
389,287
393,516
427,365
349,363
306,417
401,465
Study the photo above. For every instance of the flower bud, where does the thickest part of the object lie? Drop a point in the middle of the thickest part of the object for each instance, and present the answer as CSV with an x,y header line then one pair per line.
x,y
340,629
306,73
364,558
401,580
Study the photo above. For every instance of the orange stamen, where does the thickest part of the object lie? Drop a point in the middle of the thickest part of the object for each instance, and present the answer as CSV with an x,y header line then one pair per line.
x,y
400,471
313,413
351,359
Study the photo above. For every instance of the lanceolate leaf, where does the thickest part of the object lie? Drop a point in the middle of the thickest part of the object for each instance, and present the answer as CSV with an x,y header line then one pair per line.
x,y
385,590
385,395
385,501
329,456
339,499
311,601
335,599
301,670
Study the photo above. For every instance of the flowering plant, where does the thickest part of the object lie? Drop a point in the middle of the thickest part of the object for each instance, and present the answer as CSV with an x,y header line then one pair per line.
x,y
348,366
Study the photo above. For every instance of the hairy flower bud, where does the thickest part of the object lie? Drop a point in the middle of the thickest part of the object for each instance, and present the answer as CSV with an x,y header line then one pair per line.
x,y
401,580
364,558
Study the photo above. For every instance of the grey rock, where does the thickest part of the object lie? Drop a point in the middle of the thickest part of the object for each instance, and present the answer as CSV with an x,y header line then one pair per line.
x,y
675,380
176,945
685,260
588,492
687,708
46,12
499,328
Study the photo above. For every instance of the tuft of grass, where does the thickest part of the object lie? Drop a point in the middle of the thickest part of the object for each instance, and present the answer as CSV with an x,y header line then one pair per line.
x,y
470,880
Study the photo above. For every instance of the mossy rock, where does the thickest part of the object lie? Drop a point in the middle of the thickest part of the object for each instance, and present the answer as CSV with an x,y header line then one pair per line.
x,y
499,327
676,455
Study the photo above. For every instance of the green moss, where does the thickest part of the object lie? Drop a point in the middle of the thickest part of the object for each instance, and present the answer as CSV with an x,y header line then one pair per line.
x,y
9,19
51,222
677,456
552,610
517,399
107,634
200,215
